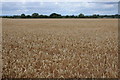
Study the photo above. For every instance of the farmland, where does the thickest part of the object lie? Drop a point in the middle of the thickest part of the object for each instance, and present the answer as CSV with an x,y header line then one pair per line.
x,y
60,48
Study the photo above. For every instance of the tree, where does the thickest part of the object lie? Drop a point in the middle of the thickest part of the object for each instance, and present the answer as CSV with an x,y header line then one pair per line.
x,y
28,16
72,16
43,16
35,15
22,15
66,16
95,16
81,15
117,16
55,15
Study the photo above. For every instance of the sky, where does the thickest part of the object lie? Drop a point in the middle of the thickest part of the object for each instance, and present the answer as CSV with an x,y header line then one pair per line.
x,y
59,0
62,7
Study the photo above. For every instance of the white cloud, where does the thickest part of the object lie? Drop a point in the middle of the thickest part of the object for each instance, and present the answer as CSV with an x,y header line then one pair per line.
x,y
64,8
60,0
108,6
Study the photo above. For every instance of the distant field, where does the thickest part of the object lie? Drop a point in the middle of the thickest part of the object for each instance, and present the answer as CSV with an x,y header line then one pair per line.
x,y
60,48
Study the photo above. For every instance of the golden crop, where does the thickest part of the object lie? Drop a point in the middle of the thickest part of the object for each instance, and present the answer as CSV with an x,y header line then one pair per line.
x,y
60,48
0,48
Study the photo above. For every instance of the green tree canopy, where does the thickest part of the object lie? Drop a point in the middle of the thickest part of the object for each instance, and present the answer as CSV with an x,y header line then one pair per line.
x,y
95,16
55,15
22,15
35,15
81,15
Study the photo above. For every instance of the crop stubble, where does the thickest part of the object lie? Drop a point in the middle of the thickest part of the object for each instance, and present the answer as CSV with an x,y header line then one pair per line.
x,y
60,48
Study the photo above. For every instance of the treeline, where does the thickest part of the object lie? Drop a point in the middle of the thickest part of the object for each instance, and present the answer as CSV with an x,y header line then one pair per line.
x,y
55,15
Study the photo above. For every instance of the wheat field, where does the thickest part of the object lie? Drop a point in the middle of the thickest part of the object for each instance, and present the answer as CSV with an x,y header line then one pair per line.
x,y
0,48
60,48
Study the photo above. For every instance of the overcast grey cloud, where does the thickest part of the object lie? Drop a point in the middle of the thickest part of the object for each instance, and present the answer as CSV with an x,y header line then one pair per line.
x,y
64,8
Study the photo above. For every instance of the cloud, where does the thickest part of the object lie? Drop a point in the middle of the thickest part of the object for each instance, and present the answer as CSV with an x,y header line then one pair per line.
x,y
60,0
64,8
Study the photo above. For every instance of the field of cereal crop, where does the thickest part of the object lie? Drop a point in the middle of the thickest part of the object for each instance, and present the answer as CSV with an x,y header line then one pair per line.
x,y
60,48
